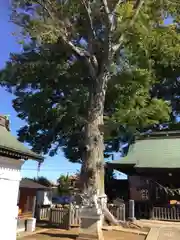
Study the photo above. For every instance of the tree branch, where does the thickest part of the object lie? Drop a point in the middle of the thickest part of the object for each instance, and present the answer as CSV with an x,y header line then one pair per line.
x,y
118,3
107,11
81,52
88,11
91,33
43,5
137,7
78,50
107,38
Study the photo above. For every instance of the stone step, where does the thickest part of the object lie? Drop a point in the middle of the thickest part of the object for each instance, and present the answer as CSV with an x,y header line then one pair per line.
x,y
157,222
153,234
153,223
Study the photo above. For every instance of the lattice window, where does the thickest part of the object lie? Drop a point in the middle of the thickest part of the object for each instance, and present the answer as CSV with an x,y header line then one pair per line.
x,y
144,194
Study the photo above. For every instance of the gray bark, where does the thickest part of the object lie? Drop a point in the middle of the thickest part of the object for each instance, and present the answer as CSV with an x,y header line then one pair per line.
x,y
92,172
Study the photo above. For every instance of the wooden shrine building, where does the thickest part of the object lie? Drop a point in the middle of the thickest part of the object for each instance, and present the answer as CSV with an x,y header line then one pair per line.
x,y
153,169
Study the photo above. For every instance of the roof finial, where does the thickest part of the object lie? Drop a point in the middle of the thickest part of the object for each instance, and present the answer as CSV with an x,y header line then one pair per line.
x,y
4,121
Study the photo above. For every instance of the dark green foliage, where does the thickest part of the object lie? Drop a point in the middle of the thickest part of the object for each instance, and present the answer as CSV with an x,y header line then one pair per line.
x,y
64,185
52,83
43,181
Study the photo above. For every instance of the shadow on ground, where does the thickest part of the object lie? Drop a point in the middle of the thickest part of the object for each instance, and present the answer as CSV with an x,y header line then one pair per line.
x,y
59,235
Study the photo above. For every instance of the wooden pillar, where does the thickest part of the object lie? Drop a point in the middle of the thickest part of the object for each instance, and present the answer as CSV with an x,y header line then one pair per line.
x,y
132,210
34,207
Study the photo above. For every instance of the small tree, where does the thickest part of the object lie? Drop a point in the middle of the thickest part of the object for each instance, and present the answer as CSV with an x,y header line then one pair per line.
x,y
64,185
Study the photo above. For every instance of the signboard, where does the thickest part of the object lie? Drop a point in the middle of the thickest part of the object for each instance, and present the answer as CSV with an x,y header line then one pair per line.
x,y
138,188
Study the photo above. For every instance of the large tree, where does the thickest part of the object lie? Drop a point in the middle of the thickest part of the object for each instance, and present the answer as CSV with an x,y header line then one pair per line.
x,y
89,66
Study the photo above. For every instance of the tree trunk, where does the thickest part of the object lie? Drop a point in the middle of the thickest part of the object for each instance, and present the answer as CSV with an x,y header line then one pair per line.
x,y
92,172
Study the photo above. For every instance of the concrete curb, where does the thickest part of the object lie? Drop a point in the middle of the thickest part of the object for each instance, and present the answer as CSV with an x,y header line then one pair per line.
x,y
153,234
128,230
156,222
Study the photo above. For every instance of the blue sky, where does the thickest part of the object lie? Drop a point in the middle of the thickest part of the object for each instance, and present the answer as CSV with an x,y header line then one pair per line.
x,y
52,166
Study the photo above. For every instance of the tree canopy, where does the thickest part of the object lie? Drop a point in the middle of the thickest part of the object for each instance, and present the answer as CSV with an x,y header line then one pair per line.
x,y
43,181
51,81
90,70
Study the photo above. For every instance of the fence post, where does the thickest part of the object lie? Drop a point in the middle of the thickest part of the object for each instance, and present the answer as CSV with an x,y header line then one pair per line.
x,y
124,212
132,210
38,213
70,215
152,213
50,216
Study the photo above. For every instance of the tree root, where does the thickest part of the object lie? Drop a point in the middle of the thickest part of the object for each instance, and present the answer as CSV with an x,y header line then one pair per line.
x,y
115,222
108,215
130,224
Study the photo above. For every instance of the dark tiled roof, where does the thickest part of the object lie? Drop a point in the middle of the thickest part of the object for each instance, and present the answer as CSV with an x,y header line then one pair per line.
x,y
11,146
27,183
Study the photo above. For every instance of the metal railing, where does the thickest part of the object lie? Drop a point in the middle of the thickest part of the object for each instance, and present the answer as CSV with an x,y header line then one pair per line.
x,y
169,213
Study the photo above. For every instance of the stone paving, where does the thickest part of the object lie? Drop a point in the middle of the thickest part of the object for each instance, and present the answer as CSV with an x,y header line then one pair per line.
x,y
170,233
156,233
164,233
70,235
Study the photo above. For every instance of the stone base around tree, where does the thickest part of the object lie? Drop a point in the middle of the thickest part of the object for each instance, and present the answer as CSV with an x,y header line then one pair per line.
x,y
132,219
91,228
91,216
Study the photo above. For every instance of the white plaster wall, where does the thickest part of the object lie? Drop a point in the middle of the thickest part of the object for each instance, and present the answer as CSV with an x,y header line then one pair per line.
x,y
44,197
10,177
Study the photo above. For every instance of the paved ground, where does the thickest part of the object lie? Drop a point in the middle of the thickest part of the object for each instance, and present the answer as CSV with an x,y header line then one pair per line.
x,y
161,230
158,233
164,233
170,233
116,235
67,235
